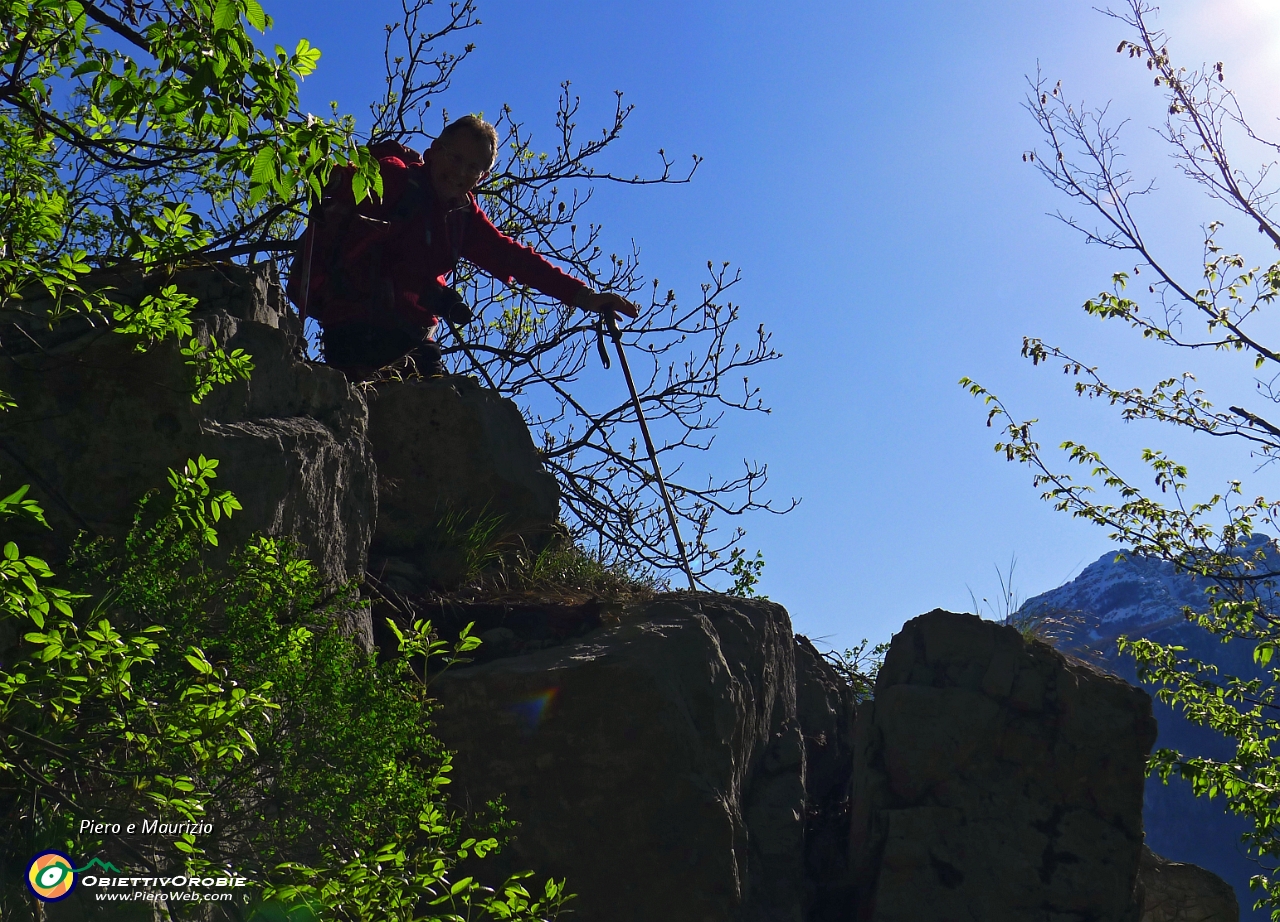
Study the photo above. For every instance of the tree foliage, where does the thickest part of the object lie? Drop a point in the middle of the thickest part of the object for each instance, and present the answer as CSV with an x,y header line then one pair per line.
x,y
1221,305
858,667
151,135
147,135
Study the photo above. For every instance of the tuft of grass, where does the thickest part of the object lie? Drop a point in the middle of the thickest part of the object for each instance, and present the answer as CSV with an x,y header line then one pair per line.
x,y
563,567
480,541
1048,624
1005,607
1058,627
484,560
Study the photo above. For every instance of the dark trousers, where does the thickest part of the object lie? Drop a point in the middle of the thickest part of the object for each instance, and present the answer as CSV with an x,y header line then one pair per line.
x,y
360,349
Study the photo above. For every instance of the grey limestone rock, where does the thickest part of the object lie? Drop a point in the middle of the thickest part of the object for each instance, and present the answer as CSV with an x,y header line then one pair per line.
x,y
826,710
692,760
98,424
996,780
450,454
658,762
1176,892
686,758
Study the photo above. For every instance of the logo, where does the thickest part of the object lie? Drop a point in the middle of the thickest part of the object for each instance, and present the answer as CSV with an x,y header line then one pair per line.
x,y
98,863
50,876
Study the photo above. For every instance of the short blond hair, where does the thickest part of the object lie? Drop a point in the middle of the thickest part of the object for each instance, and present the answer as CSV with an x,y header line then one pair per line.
x,y
476,127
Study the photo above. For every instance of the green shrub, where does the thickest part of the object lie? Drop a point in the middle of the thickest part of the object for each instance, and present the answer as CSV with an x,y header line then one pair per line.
x,y
746,573
859,667
156,687
559,568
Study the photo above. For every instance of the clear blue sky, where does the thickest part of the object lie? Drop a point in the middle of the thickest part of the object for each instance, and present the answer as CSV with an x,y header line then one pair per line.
x,y
864,170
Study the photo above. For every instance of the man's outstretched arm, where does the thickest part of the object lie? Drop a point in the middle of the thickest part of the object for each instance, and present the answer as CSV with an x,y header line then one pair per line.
x,y
504,258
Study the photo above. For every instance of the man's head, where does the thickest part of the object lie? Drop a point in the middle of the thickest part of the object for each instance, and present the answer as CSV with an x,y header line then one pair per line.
x,y
462,156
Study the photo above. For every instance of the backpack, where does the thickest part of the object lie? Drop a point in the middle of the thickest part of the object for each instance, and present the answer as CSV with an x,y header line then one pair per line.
x,y
341,260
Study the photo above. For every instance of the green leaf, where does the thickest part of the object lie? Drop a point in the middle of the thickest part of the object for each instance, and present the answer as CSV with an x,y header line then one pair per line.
x,y
264,167
305,58
359,187
226,15
255,15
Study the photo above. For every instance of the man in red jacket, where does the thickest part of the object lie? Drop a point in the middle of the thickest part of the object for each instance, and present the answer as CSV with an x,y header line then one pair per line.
x,y
374,274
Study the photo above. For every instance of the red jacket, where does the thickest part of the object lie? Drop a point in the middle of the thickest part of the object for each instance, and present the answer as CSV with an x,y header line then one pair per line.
x,y
380,262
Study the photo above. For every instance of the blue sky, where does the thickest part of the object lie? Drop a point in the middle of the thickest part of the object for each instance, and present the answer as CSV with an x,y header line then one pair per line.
x,y
863,168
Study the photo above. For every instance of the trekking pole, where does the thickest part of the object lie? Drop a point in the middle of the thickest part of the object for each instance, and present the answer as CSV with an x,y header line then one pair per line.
x,y
612,321
457,335
305,285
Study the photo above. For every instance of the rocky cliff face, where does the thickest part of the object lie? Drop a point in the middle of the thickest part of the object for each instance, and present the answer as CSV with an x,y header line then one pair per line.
x,y
657,762
689,759
997,779
1145,598
451,454
1175,892
98,424
682,758
308,455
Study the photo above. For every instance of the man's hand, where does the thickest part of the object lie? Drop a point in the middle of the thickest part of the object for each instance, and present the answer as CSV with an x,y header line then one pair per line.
x,y
602,301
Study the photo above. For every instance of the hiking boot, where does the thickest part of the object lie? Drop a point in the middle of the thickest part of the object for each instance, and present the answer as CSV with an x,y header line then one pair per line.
x,y
428,360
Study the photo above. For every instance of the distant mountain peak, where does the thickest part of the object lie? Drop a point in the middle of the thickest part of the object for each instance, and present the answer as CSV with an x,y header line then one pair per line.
x,y
1119,592
1125,593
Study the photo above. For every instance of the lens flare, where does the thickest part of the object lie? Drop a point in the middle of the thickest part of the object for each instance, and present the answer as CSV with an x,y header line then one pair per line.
x,y
534,709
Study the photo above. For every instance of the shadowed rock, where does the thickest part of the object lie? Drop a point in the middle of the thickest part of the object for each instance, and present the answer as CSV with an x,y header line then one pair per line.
x,y
1176,892
98,424
451,455
684,759
657,762
826,711
996,780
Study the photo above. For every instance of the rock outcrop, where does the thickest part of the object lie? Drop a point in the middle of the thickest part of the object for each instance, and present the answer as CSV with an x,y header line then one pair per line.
x,y
1176,892
694,761
997,780
452,457
1144,597
656,762
826,710
98,424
